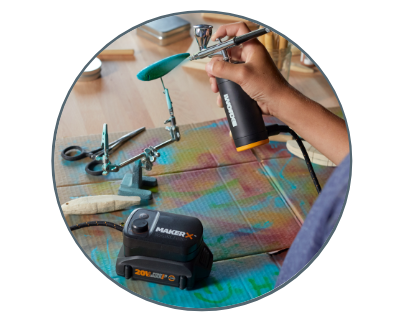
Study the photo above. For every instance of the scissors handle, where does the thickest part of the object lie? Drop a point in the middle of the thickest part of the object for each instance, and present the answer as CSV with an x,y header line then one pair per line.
x,y
90,168
79,156
97,152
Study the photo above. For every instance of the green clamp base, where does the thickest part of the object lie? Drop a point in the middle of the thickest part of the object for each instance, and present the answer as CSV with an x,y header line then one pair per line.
x,y
132,183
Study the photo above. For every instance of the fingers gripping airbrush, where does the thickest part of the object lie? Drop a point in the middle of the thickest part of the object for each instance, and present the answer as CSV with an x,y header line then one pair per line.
x,y
245,118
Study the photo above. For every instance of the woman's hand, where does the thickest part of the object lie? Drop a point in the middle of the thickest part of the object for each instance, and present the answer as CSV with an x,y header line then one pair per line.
x,y
258,75
261,80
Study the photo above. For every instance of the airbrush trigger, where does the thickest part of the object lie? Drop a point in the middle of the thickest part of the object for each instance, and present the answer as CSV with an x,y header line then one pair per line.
x,y
223,52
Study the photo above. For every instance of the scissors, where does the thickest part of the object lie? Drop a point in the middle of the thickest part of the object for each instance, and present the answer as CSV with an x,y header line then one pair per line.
x,y
93,154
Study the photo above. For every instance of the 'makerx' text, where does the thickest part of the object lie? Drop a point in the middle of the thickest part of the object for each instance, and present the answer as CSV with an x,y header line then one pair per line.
x,y
170,231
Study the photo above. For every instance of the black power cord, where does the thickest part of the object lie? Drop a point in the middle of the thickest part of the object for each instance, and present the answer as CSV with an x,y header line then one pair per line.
x,y
97,223
276,129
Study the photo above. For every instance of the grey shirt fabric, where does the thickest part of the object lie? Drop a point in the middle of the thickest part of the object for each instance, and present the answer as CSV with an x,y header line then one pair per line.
x,y
319,223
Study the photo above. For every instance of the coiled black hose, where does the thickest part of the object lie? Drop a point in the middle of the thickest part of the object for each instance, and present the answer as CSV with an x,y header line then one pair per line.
x,y
97,223
276,129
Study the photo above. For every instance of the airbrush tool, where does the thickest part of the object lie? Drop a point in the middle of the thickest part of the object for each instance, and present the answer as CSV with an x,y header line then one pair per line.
x,y
245,118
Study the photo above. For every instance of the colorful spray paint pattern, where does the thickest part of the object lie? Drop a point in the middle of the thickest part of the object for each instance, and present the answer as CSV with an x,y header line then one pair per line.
x,y
248,208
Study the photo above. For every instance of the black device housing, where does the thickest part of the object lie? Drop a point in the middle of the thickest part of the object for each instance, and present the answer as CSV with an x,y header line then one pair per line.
x,y
165,248
244,116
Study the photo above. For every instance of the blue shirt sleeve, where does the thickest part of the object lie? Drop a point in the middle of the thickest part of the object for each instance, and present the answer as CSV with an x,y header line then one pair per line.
x,y
319,223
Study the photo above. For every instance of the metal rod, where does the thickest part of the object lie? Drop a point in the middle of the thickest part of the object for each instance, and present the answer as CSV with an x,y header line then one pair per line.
x,y
132,133
164,144
137,157
129,161
123,139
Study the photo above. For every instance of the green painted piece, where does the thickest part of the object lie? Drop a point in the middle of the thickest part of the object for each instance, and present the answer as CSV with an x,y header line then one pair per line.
x,y
162,67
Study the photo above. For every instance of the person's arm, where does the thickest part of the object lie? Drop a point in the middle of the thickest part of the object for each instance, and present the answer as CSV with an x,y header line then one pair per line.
x,y
318,126
262,81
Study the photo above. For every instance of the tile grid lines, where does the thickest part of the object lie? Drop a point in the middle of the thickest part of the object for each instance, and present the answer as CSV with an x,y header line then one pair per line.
x,y
161,174
244,216
171,172
208,149
282,193
244,257
220,166
83,183
246,288
248,255
232,197
296,214
124,133
240,209
269,175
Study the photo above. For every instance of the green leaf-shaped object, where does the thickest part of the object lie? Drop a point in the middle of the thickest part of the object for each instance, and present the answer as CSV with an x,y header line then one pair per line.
x,y
162,67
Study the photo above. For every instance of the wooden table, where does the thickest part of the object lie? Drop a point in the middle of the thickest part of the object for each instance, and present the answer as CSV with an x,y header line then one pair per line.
x,y
119,99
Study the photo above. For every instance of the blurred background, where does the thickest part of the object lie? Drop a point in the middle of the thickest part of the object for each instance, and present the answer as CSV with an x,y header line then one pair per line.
x,y
109,92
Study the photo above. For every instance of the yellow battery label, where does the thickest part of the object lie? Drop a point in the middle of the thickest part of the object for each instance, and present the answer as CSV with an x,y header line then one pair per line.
x,y
150,274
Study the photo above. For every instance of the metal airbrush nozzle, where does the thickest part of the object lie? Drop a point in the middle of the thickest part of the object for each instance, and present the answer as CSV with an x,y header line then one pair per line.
x,y
203,34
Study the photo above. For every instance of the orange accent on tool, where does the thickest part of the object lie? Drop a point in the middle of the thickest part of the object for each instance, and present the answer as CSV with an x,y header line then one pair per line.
x,y
189,235
252,145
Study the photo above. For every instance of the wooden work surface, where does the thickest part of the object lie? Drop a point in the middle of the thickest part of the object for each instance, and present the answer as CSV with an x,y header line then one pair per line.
x,y
119,99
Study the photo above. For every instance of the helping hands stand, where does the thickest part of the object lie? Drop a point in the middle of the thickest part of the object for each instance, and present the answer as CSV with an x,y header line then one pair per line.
x,y
133,183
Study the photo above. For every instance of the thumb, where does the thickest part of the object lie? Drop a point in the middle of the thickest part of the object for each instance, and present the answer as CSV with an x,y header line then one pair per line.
x,y
222,69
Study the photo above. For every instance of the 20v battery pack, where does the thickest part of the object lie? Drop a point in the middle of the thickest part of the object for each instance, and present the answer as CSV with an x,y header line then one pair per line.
x,y
164,248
